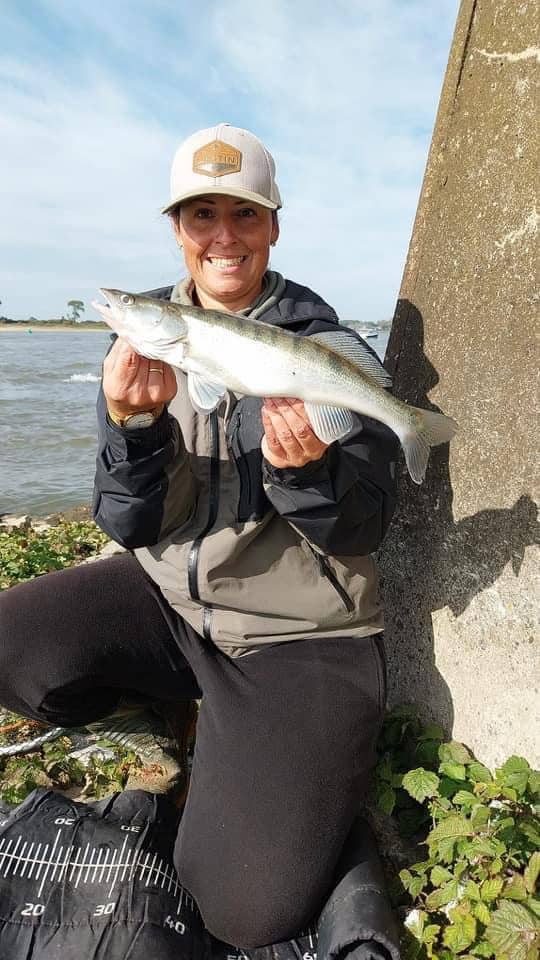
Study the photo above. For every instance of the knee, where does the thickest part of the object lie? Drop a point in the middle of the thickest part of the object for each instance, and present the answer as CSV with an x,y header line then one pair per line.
x,y
248,918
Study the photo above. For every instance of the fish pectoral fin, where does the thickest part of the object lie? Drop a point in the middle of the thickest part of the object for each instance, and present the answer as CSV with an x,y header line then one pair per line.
x,y
329,423
344,343
205,395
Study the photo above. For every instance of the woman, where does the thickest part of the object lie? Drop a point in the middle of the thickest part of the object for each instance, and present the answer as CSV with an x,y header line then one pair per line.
x,y
251,582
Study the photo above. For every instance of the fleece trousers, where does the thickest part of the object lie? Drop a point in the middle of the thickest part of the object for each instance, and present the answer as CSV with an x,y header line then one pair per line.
x,y
285,736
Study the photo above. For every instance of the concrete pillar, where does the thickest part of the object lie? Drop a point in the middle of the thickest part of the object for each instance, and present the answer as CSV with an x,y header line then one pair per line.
x,y
458,565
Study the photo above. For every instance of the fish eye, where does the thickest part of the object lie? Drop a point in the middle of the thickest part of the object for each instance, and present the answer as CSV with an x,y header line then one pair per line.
x,y
125,298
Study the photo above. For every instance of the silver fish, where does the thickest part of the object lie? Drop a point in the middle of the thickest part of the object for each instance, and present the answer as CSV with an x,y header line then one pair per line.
x,y
332,372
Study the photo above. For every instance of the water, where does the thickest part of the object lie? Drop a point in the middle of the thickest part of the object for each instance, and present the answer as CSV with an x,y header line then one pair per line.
x,y
48,388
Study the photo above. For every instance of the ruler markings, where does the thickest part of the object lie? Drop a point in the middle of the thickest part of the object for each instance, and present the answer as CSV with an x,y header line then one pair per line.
x,y
65,865
111,865
150,870
82,866
105,863
49,862
98,861
19,858
28,858
89,865
74,864
35,860
57,864
126,865
118,865
12,855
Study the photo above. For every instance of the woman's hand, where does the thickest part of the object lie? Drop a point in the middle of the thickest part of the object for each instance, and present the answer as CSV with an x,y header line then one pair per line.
x,y
132,383
288,439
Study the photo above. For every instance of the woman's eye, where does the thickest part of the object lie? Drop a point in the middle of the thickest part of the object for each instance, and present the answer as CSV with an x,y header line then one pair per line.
x,y
203,213
247,212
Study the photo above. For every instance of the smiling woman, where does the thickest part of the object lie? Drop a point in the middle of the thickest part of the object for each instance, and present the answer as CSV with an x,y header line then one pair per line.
x,y
249,583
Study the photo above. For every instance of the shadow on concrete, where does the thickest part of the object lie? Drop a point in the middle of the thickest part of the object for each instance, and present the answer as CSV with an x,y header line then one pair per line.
x,y
428,561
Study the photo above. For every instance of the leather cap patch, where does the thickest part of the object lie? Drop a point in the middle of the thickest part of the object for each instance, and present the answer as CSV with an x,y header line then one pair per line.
x,y
216,158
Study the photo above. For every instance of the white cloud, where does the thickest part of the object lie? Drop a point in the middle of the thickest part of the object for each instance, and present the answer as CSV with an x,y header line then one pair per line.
x,y
344,94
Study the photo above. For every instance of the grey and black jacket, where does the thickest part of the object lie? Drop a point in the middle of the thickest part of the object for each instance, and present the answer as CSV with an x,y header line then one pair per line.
x,y
249,554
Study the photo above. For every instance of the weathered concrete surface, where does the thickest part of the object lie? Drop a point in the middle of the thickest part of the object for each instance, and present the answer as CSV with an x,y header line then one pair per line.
x,y
458,566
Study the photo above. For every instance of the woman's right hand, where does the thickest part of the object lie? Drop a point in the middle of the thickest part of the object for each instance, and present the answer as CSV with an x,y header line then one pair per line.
x,y
134,384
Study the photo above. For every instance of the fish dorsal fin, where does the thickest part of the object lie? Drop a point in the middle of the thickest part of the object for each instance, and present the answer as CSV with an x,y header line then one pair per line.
x,y
329,423
345,343
204,394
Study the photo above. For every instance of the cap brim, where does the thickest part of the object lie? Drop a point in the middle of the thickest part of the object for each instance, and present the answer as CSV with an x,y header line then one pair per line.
x,y
238,192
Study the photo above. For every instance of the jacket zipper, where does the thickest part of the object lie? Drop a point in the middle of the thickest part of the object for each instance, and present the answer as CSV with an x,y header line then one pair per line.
x,y
213,497
328,573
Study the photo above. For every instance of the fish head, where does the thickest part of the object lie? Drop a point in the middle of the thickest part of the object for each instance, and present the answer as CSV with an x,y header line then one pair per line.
x,y
154,328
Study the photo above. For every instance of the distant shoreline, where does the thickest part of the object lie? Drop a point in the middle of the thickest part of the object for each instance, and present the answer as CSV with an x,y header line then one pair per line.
x,y
51,328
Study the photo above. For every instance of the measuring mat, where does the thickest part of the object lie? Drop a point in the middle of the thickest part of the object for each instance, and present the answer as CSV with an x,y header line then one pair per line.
x,y
94,881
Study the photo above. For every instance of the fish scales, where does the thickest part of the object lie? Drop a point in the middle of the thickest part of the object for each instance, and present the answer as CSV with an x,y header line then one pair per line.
x,y
229,351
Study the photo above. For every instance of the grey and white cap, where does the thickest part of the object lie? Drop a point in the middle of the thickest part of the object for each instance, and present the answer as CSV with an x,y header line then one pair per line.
x,y
226,160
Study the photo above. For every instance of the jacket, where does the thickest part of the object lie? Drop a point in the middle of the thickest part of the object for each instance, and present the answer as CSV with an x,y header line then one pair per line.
x,y
246,553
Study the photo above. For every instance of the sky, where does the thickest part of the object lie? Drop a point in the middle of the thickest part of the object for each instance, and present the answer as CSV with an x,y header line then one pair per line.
x,y
96,97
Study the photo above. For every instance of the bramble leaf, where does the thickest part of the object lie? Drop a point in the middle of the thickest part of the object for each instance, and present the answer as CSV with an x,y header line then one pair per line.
x,y
452,827
481,912
454,752
491,889
461,933
442,896
478,772
531,872
513,930
440,875
421,784
456,771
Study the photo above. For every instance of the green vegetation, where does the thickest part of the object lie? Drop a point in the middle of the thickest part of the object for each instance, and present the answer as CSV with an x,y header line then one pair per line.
x,y
473,895
26,553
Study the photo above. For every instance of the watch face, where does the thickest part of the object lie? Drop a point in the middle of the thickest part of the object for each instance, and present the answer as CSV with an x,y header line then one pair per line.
x,y
138,420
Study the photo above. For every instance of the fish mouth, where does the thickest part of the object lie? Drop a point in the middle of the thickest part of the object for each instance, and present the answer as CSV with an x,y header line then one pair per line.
x,y
106,310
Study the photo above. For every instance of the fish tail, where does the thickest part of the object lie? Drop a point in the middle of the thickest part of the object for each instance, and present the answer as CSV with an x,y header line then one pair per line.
x,y
432,429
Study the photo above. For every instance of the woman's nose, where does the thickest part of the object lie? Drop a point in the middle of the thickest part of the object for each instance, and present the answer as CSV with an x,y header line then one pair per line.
x,y
225,232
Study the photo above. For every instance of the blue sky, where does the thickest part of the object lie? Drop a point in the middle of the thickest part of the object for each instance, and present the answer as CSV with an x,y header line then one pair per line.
x,y
95,98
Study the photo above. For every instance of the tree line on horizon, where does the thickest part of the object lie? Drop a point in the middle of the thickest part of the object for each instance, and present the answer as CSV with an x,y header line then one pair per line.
x,y
72,317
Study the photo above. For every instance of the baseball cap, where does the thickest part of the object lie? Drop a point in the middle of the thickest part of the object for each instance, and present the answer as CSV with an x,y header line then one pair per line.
x,y
227,160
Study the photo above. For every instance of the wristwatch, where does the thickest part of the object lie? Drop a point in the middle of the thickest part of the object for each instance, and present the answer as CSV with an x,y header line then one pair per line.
x,y
137,421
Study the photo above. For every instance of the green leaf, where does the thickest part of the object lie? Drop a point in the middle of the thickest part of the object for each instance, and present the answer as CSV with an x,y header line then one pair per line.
x,y
534,905
482,949
421,784
530,829
386,798
416,886
482,913
464,798
480,816
531,872
445,848
515,774
534,783
451,827
440,875
431,731
439,898
472,890
515,888
491,889
461,933
454,752
456,771
512,929
479,773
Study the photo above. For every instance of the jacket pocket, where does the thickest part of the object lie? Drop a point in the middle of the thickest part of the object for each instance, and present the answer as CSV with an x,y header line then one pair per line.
x,y
328,573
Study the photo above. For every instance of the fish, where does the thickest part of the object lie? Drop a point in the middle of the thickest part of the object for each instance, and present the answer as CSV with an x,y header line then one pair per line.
x,y
333,372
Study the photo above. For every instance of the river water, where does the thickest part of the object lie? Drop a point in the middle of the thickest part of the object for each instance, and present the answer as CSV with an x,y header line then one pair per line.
x,y
48,388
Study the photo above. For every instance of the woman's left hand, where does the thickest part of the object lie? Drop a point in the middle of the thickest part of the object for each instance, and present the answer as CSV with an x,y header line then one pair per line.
x,y
288,439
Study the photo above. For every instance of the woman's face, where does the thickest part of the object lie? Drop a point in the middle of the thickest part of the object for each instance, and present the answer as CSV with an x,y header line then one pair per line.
x,y
226,245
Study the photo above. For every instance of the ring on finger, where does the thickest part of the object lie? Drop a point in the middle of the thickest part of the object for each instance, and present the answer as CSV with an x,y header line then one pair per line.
x,y
155,370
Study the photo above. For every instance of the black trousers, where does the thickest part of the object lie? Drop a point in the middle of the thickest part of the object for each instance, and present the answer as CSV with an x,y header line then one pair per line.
x,y
285,736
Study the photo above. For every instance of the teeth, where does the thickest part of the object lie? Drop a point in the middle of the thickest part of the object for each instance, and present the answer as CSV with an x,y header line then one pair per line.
x,y
226,261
